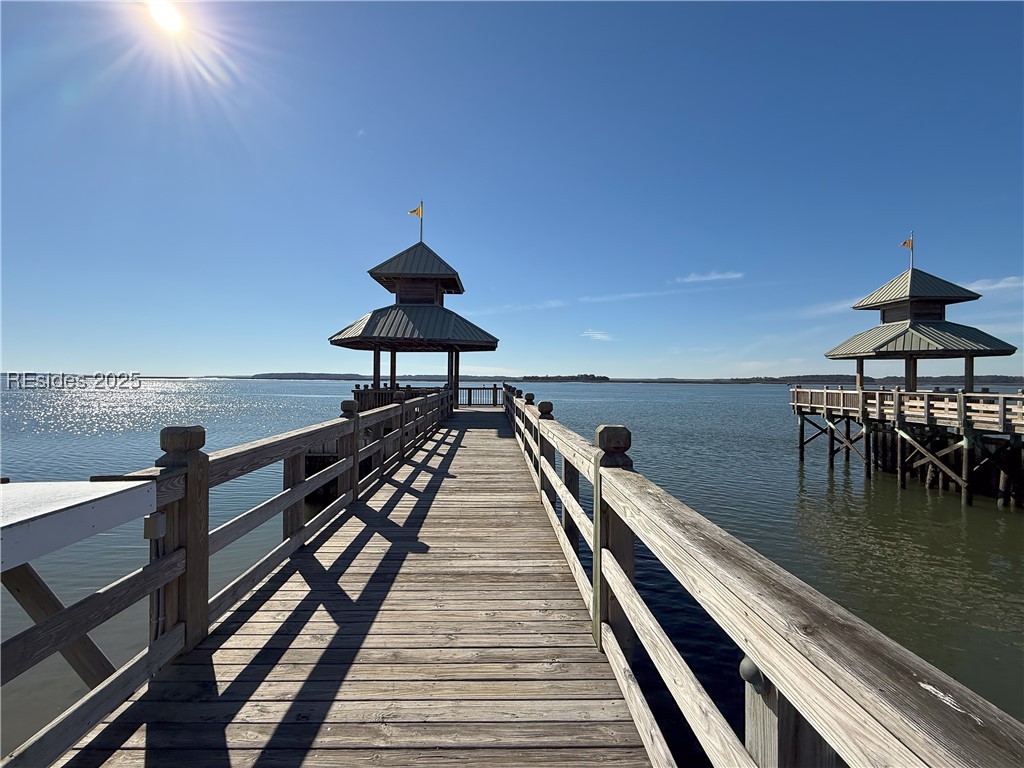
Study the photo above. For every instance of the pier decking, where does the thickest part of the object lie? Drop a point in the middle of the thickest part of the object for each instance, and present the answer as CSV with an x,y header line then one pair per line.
x,y
436,610
436,614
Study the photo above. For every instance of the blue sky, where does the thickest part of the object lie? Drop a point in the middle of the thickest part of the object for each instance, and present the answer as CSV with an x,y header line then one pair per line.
x,y
670,189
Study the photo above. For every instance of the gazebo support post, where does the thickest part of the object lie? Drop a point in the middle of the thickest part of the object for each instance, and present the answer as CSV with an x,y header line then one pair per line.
x,y
376,366
394,372
455,392
910,375
968,374
860,374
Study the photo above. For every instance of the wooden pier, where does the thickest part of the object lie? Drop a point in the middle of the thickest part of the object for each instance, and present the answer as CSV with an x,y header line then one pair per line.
x,y
966,439
436,611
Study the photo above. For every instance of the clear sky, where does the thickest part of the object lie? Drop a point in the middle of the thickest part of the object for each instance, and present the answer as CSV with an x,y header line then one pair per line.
x,y
669,189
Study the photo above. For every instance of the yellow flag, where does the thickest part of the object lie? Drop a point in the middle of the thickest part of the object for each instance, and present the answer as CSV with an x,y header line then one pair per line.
x,y
908,243
417,211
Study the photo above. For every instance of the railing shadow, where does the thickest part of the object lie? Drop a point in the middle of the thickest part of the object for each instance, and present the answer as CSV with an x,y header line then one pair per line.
x,y
284,740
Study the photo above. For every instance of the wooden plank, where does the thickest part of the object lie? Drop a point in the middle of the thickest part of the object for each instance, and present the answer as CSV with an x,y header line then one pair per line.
x,y
650,732
39,601
240,460
50,743
234,591
407,630
874,701
620,757
389,735
709,726
39,518
395,711
32,645
252,519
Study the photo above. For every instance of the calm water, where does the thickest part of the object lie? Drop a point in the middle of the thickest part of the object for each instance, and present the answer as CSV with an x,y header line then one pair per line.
x,y
945,582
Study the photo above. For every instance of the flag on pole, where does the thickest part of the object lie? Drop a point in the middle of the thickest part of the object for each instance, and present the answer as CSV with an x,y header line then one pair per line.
x,y
908,243
417,211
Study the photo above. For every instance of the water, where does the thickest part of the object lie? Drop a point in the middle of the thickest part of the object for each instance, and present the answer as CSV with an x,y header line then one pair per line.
x,y
945,582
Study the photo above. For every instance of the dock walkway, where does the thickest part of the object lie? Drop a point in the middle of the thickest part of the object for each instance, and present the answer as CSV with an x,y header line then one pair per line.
x,y
435,621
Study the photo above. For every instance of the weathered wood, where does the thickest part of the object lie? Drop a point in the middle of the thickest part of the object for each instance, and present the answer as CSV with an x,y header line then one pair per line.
x,y
650,732
51,742
234,591
574,519
252,519
39,602
709,726
182,446
170,481
294,473
872,700
761,724
240,460
56,631
409,610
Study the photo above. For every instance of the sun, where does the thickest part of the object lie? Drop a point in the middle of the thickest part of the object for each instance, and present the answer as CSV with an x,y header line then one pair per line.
x,y
166,16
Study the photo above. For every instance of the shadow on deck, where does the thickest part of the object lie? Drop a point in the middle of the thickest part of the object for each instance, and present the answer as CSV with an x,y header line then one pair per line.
x,y
433,622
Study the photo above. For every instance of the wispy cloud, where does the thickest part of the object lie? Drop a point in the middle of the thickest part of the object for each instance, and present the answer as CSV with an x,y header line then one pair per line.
x,y
598,335
997,284
627,296
360,133
831,308
509,308
694,277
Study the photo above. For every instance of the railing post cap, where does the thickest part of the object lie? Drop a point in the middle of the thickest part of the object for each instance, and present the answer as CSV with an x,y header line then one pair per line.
x,y
750,673
613,438
519,393
349,407
529,398
545,407
399,396
182,439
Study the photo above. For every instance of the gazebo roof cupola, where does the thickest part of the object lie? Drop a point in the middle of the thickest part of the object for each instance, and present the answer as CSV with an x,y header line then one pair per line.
x,y
418,320
913,315
417,275
917,289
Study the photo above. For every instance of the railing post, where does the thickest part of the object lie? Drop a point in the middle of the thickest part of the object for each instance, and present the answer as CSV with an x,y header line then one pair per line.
x,y
547,453
191,530
350,410
293,517
613,535
776,734
400,401
494,396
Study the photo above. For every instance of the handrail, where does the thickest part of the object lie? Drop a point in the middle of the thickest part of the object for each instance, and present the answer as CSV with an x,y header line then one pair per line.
x,y
367,446
980,411
812,667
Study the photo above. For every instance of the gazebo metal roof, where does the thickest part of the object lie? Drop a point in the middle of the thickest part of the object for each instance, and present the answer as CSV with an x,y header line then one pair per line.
x,y
414,328
939,339
417,261
916,284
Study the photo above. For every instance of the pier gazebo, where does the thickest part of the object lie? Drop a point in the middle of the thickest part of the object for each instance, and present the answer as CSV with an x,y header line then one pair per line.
x,y
914,327
418,321
970,439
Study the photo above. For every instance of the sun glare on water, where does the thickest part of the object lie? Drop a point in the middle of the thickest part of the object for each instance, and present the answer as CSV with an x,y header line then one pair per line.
x,y
166,16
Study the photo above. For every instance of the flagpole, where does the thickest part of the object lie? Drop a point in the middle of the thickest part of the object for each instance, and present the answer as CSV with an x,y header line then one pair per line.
x,y
421,232
911,246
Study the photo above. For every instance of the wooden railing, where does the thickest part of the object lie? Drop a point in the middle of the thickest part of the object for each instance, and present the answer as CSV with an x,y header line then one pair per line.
x,y
366,446
487,396
821,686
987,412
